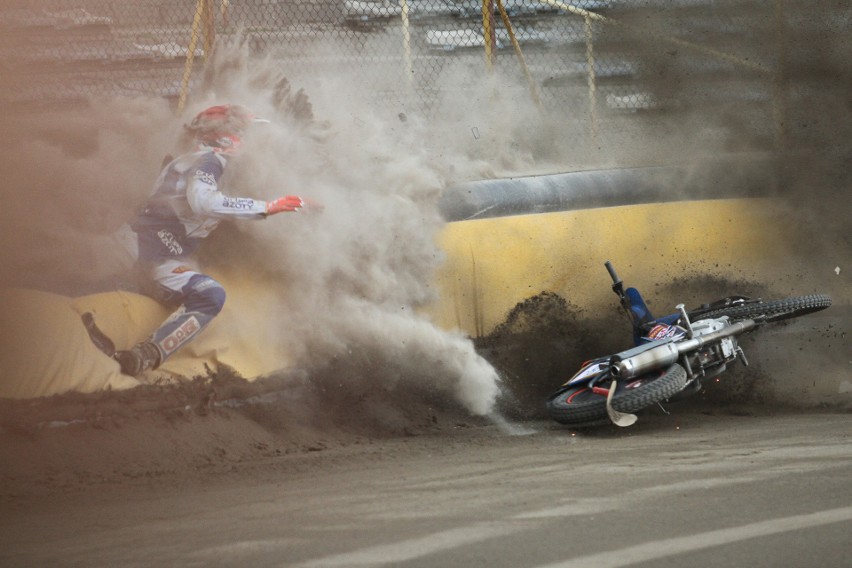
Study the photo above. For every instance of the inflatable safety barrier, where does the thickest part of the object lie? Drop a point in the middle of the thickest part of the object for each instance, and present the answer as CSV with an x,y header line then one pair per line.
x,y
544,239
45,348
492,264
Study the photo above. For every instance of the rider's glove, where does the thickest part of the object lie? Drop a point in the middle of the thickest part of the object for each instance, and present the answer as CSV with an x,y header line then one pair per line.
x,y
282,204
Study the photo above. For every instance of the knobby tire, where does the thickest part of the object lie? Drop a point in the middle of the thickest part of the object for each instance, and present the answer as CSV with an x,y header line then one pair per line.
x,y
579,406
774,310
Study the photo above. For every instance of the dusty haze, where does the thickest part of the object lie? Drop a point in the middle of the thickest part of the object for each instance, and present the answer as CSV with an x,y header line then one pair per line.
x,y
345,285
341,282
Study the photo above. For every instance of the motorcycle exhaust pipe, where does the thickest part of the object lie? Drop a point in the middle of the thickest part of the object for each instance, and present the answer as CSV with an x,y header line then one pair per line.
x,y
667,354
659,357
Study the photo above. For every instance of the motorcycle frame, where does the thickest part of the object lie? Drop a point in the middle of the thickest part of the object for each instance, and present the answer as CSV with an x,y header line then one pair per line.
x,y
697,353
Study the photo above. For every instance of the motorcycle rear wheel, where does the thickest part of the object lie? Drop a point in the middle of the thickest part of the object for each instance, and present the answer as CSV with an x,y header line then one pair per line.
x,y
580,406
773,310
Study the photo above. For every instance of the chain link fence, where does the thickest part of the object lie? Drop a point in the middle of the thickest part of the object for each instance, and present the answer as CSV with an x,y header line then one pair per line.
x,y
603,64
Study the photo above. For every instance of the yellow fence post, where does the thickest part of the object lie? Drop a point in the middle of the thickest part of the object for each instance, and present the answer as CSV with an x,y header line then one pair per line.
x,y
209,27
488,32
190,53
508,24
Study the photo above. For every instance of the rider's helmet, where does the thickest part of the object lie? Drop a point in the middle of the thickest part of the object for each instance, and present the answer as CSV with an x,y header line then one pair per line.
x,y
221,127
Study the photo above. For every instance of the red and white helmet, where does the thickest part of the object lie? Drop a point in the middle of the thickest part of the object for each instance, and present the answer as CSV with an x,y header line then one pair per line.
x,y
221,127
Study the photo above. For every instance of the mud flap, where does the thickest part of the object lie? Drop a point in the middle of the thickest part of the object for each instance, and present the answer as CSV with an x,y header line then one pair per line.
x,y
622,419
97,336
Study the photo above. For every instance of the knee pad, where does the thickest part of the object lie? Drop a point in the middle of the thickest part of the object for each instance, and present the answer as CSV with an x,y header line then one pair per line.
x,y
203,294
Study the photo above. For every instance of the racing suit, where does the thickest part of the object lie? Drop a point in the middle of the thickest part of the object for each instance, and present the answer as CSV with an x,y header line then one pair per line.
x,y
186,206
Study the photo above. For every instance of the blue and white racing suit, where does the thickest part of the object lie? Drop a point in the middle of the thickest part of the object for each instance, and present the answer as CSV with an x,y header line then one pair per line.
x,y
186,206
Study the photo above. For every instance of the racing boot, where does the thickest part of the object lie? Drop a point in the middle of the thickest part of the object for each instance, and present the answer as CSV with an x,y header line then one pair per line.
x,y
138,359
98,337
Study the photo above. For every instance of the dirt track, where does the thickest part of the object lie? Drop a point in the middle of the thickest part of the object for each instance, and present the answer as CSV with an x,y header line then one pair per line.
x,y
151,490
310,470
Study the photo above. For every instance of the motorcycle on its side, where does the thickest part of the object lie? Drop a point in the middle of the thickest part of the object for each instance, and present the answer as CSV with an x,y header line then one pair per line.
x,y
671,355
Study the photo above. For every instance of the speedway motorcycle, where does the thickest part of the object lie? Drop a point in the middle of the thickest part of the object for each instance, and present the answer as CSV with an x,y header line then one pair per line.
x,y
671,354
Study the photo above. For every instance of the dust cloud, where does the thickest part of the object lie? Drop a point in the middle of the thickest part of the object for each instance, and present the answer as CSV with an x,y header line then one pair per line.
x,y
347,283
72,178
344,280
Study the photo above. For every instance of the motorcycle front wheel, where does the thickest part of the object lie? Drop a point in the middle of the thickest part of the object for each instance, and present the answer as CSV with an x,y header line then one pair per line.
x,y
773,310
582,406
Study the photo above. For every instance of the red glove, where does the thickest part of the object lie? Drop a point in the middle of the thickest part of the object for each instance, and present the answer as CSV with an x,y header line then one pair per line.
x,y
282,204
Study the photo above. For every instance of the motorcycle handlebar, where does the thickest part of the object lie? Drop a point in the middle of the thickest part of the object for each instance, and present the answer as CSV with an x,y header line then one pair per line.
x,y
617,284
612,274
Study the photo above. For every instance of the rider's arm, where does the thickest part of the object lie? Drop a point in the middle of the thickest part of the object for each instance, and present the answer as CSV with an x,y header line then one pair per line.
x,y
204,197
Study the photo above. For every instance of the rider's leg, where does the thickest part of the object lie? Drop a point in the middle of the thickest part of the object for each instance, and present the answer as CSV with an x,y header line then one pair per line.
x,y
198,297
